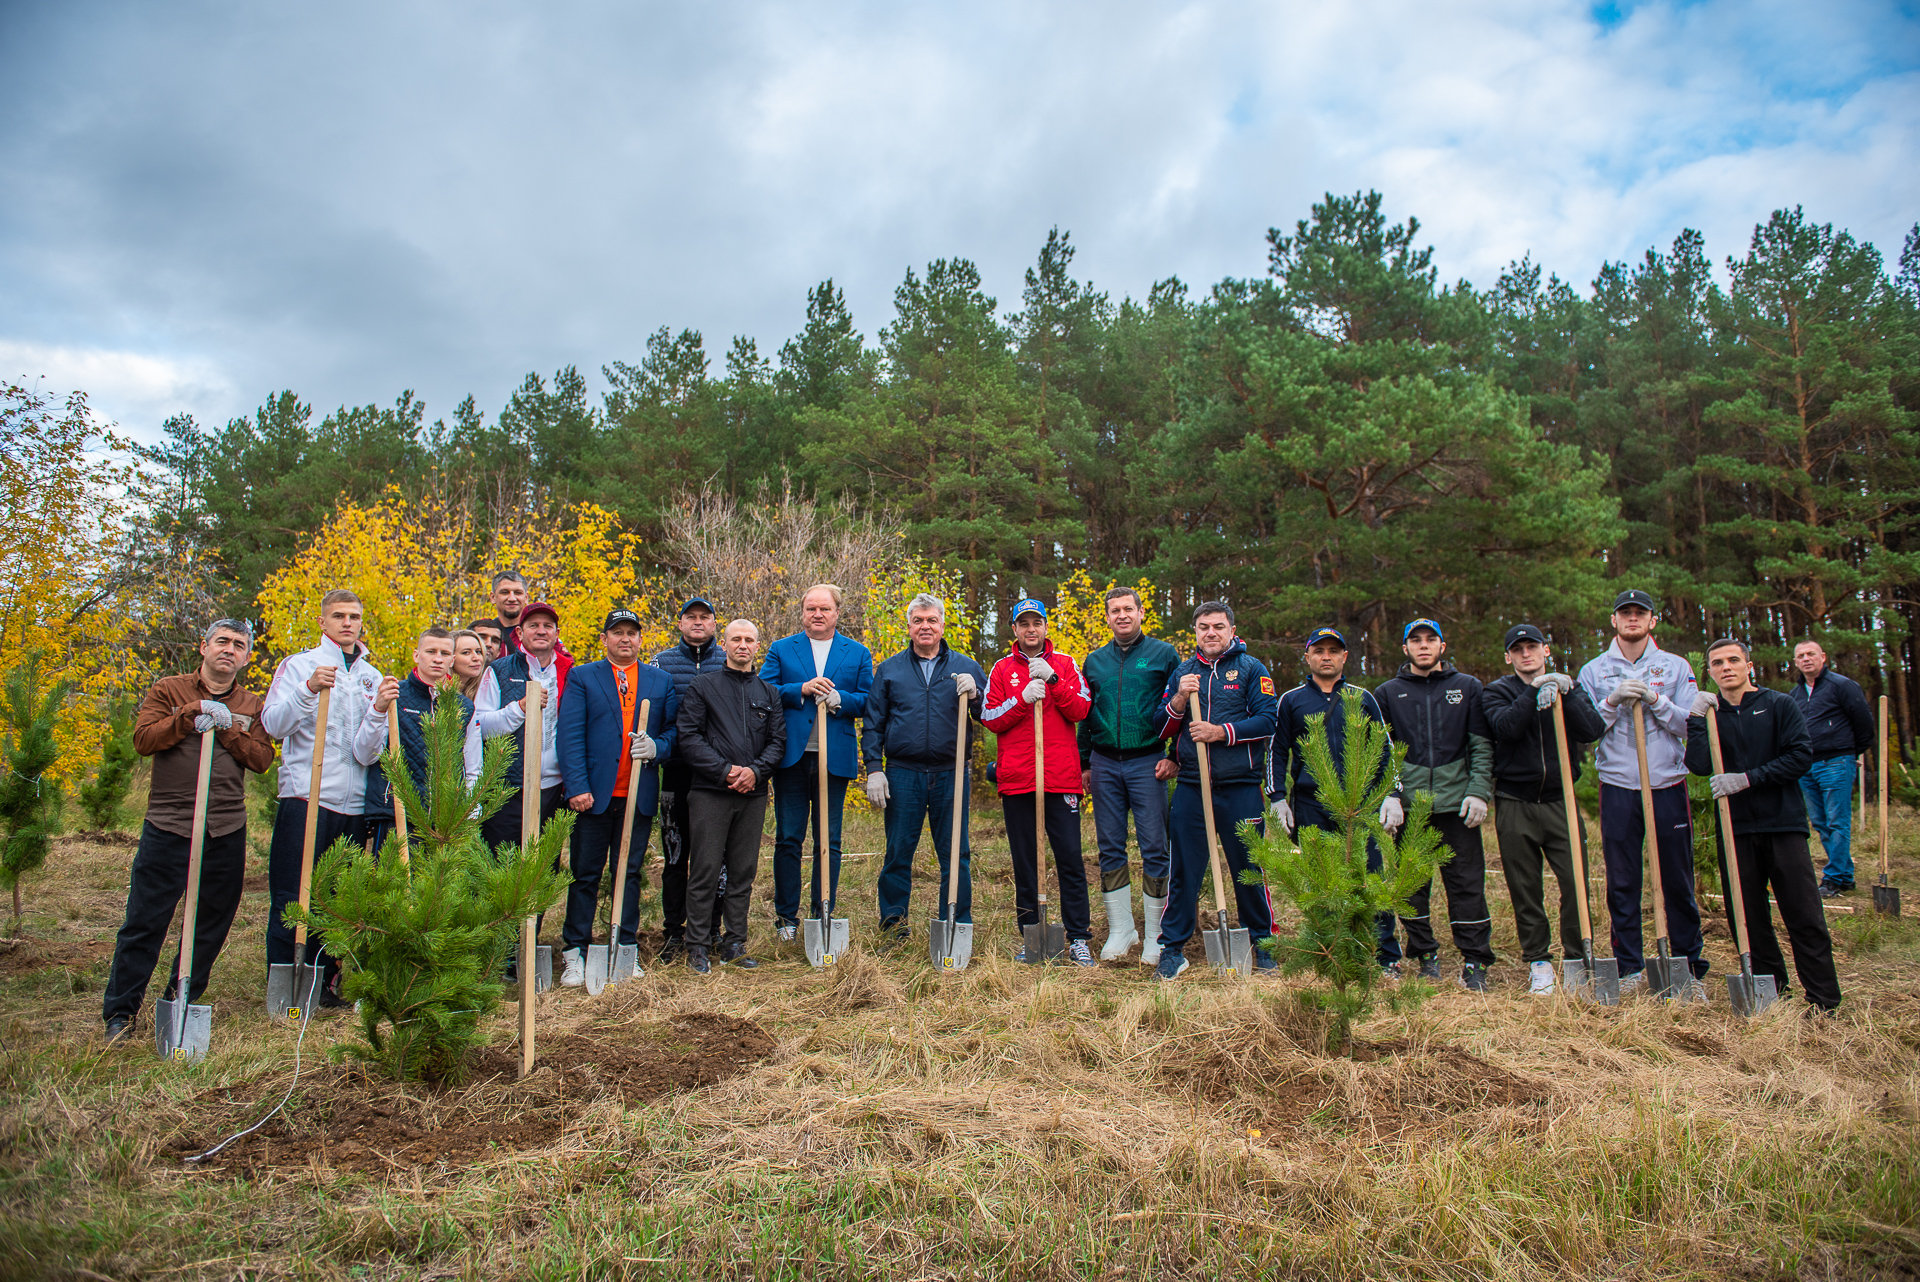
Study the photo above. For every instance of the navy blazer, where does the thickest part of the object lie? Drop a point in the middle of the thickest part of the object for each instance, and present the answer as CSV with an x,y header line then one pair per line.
x,y
590,739
789,665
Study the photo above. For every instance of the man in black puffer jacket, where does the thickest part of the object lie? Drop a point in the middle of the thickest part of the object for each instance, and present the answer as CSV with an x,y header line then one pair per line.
x,y
696,654
1764,750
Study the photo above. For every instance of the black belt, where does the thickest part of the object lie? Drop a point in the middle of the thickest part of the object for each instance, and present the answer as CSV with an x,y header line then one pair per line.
x,y
1129,754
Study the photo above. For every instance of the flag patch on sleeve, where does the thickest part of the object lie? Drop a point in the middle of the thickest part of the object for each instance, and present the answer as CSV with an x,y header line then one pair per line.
x,y
1266,685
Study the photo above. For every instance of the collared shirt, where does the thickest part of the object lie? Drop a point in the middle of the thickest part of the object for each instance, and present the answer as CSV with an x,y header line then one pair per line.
x,y
163,729
1673,686
627,681
494,719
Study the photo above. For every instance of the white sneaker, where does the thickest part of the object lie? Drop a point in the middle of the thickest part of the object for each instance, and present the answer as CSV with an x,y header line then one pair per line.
x,y
1540,975
576,972
1633,983
1150,929
1121,935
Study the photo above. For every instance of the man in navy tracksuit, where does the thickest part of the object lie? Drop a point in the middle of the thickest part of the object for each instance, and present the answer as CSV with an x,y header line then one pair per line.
x,y
698,653
912,719
1222,697
1291,787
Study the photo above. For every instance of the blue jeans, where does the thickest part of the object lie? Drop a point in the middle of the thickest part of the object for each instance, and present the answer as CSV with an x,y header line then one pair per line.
x,y
1191,861
795,791
1122,785
1828,788
918,799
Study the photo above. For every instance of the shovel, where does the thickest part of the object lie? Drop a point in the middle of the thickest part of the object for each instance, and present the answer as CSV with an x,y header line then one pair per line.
x,y
1045,940
536,970
292,987
950,942
824,946
1598,976
393,746
1227,950
180,1030
1886,899
1749,993
1667,975
613,961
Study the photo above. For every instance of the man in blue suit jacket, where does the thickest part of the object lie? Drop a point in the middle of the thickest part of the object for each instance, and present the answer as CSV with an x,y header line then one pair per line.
x,y
814,668
604,751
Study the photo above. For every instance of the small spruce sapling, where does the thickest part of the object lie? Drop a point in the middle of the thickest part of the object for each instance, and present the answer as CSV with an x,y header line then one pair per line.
x,y
102,796
423,944
29,797
1326,875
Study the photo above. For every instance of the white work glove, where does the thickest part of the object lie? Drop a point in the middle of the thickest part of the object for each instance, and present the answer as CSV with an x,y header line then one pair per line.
x,y
1039,669
1474,809
1392,814
1703,703
832,701
965,685
1629,691
213,716
1550,685
1034,691
644,748
1283,815
1727,785
877,789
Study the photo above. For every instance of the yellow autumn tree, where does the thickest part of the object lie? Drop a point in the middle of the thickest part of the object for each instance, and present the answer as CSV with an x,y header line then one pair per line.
x,y
892,585
1077,621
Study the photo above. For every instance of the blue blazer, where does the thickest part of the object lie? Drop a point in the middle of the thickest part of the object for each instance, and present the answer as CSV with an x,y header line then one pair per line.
x,y
789,665
590,739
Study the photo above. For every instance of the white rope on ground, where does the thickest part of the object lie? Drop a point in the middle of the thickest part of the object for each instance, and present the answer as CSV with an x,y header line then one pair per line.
x,y
306,1017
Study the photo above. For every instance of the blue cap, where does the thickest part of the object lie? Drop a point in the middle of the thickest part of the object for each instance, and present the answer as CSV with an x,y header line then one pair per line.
x,y
1423,623
697,603
1029,606
1325,634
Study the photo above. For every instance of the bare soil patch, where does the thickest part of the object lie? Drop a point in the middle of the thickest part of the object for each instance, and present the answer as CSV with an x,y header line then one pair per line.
x,y
642,1061
22,956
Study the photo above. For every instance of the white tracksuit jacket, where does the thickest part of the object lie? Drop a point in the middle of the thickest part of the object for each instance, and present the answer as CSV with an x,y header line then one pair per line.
x,y
289,715
1672,683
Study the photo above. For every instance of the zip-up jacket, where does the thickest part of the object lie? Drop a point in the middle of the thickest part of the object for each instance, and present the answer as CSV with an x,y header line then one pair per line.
x,y
731,718
291,709
1765,738
496,706
1011,718
1839,722
1287,773
1127,689
1526,765
416,700
593,737
790,665
910,718
1449,748
683,663
1236,692
1671,681
163,730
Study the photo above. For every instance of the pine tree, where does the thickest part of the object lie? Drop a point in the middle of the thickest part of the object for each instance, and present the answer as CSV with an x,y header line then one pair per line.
x,y
1326,874
102,796
29,800
423,943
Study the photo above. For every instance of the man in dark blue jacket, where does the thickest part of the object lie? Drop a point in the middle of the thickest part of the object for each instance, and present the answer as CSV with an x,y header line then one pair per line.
x,y
1840,726
913,712
697,654
606,751
1290,785
1222,697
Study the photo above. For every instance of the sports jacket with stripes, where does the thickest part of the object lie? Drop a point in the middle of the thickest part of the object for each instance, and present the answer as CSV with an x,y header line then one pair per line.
x,y
1236,691
1287,773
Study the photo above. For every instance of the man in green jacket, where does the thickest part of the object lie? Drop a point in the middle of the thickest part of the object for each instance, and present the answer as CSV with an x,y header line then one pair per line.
x,y
1127,769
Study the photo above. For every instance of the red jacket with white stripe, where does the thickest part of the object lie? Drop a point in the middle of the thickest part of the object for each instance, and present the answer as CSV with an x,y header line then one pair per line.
x,y
1011,718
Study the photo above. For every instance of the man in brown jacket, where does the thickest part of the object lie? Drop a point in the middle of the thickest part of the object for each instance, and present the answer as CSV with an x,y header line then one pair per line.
x,y
171,719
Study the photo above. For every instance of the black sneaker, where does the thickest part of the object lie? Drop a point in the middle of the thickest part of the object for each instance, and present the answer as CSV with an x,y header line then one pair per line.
x,y
119,1030
1430,967
330,998
697,959
735,954
1473,977
894,932
672,950
1834,889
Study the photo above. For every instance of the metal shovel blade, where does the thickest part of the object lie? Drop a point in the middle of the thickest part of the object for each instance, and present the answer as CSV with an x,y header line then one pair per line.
x,y
192,1040
1751,994
1045,941
1229,950
626,962
279,990
542,968
825,949
1606,981
1667,976
599,962
1886,900
949,954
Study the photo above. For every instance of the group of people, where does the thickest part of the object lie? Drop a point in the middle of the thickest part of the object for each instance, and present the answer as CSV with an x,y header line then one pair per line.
x,y
725,729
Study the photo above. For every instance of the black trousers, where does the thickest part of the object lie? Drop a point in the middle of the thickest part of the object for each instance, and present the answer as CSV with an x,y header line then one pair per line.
x,y
283,873
594,841
156,884
502,828
1063,835
1465,878
726,838
674,842
1309,813
1781,863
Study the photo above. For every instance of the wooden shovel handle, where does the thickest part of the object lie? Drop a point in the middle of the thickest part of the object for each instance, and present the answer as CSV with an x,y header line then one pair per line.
x,y
1574,834
1880,755
190,915
321,716
1201,753
1726,840
959,800
1040,800
393,746
617,917
822,856
1651,843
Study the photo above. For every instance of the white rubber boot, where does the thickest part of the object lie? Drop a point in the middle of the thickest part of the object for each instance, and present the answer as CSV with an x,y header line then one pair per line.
x,y
1150,950
1120,932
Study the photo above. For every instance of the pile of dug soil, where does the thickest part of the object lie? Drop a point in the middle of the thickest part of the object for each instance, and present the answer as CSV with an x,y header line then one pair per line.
x,y
21,956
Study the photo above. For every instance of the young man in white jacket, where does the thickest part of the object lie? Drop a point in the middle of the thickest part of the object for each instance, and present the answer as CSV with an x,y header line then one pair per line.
x,y
290,715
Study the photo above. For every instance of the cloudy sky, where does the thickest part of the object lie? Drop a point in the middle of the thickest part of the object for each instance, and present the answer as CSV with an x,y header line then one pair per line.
x,y
206,203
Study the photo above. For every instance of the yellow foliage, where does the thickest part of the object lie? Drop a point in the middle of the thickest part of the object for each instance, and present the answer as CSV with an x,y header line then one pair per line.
x,y
894,583
1077,621
413,564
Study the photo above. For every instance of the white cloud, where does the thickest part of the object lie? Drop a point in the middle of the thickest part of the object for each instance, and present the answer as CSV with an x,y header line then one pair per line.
x,y
134,391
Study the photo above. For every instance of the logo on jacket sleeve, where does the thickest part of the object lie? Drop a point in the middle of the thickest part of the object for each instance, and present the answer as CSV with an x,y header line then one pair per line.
x,y
1266,685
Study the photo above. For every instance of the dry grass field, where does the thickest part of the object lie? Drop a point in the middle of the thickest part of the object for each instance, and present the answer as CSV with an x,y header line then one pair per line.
x,y
880,1121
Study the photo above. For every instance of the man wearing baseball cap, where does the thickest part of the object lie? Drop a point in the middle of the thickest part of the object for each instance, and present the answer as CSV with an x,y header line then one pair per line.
x,y
1434,709
1526,781
696,655
500,708
1635,671
1036,673
607,752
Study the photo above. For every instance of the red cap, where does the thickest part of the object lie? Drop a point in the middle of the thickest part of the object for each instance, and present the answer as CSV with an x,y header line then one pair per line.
x,y
539,607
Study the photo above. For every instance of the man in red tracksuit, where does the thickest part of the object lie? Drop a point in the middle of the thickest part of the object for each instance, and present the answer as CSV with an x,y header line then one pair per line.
x,y
1036,673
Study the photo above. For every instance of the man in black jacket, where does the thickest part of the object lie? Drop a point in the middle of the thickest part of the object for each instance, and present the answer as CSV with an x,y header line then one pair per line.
x,y
912,714
1434,709
1840,725
698,653
1764,750
733,733
1532,825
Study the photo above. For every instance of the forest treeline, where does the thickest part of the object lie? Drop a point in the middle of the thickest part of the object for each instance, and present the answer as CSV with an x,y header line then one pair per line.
x,y
1346,439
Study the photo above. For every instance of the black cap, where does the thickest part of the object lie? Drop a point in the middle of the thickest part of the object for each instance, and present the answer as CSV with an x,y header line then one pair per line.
x,y
1523,632
1634,596
697,603
620,614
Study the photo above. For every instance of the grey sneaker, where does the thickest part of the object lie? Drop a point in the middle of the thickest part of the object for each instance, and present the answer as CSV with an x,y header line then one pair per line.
x,y
1473,977
1430,967
1080,954
786,932
1633,983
